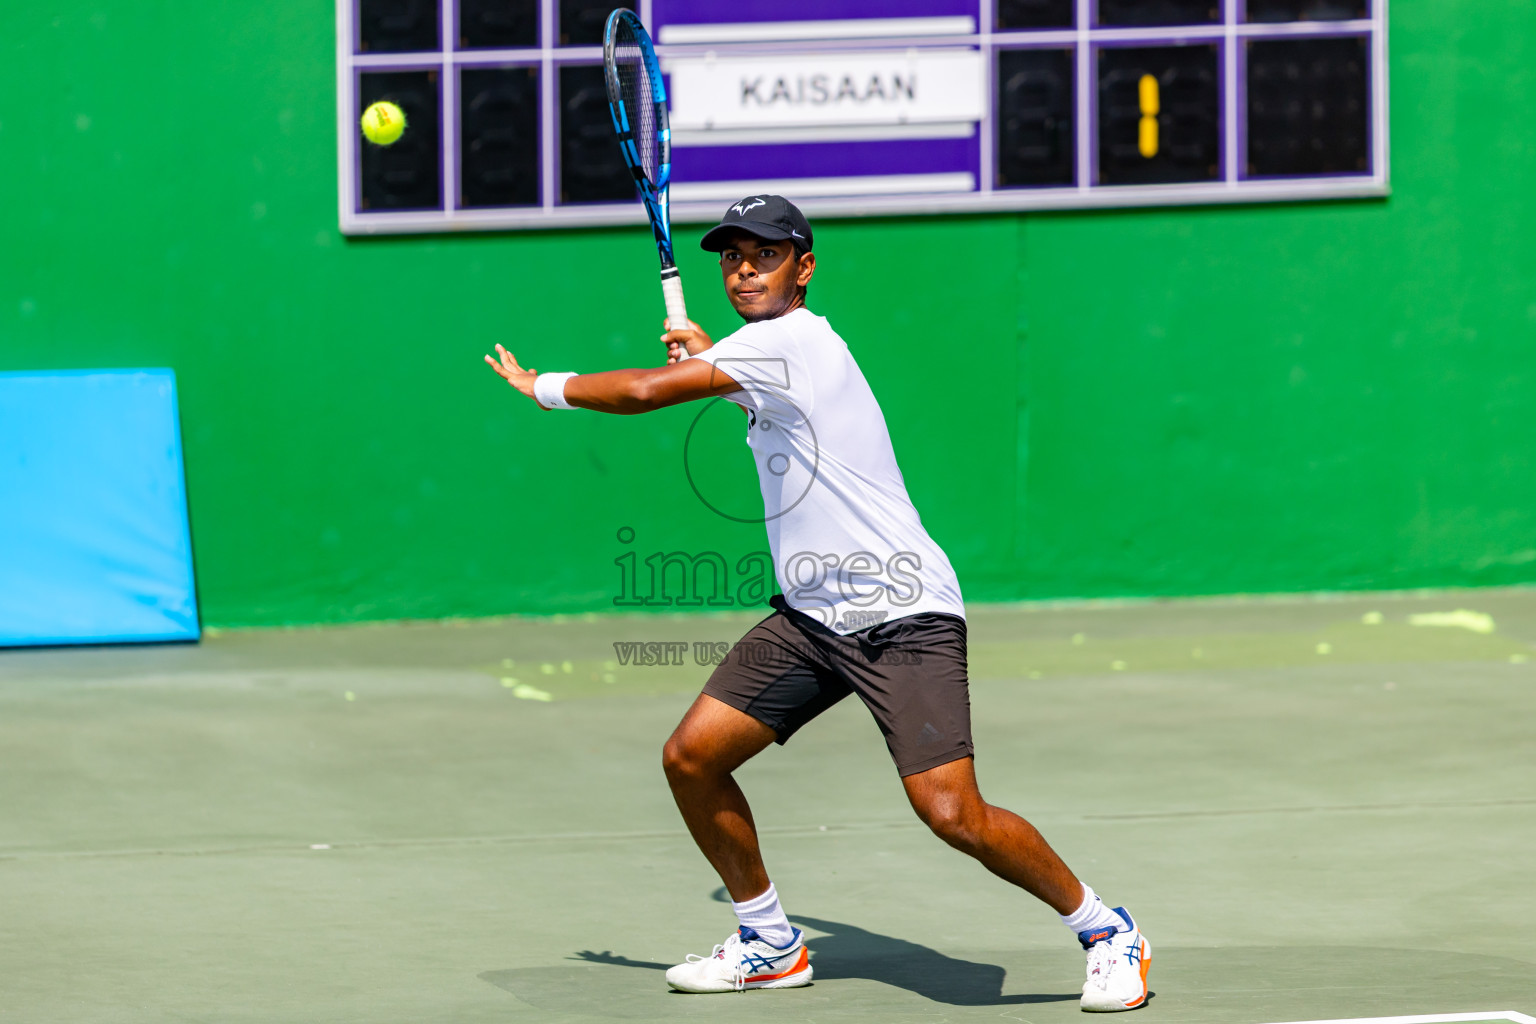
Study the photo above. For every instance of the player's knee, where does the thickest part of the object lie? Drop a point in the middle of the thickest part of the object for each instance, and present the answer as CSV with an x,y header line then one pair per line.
x,y
682,761
953,819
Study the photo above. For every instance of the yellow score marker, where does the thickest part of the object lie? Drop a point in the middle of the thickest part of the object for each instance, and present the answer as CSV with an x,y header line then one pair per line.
x,y
1147,141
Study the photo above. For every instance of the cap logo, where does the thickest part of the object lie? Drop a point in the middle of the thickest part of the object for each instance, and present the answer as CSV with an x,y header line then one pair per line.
x,y
741,208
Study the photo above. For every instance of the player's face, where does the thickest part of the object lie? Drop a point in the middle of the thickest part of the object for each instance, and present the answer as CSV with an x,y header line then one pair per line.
x,y
763,279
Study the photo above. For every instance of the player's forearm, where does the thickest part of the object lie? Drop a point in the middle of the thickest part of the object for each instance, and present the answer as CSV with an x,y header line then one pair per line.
x,y
629,392
621,392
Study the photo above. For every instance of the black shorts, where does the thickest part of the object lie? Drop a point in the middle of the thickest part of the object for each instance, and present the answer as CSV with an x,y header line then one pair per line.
x,y
910,672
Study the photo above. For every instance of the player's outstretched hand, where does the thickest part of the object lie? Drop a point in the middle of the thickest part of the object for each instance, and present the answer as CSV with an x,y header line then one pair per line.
x,y
508,370
694,339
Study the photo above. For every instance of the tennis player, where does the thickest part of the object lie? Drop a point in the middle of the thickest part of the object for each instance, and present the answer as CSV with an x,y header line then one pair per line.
x,y
870,606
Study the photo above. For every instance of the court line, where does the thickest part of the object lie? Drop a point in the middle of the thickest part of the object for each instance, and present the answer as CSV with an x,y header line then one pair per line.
x,y
1323,809
1430,1018
369,844
776,830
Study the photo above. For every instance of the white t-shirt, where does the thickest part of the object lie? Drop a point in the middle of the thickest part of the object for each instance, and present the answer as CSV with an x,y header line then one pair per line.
x,y
848,547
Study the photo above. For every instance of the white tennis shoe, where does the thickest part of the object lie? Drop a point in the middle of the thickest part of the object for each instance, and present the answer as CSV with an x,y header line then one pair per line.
x,y
1118,959
744,961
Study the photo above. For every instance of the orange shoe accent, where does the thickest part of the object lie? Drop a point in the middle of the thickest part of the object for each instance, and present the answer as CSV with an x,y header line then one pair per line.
x,y
1146,965
800,962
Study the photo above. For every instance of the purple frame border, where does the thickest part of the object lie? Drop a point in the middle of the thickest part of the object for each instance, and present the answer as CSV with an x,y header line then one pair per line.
x,y
1242,109
1219,40
997,128
442,121
1222,34
455,188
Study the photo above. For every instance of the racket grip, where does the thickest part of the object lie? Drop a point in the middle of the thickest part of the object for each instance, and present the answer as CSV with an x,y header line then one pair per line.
x,y
677,311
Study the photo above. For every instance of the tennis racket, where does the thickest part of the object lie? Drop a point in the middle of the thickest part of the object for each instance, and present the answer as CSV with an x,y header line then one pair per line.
x,y
637,99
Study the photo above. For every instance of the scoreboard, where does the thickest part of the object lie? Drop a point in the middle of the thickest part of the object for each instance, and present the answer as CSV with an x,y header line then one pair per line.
x,y
857,107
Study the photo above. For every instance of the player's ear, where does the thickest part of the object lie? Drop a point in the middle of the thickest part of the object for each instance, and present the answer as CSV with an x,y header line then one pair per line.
x,y
807,268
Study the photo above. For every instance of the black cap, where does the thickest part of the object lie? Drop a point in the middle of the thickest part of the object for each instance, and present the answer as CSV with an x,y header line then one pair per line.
x,y
771,218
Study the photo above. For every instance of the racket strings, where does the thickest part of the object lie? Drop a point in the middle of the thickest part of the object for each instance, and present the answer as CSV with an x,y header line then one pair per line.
x,y
639,99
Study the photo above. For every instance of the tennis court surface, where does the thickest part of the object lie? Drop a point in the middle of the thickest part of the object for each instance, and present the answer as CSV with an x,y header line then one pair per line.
x,y
1315,808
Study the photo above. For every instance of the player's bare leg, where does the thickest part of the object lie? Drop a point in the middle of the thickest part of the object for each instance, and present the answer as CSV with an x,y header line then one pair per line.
x,y
711,742
949,802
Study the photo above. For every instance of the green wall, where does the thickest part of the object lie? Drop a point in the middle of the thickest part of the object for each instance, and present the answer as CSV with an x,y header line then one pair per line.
x,y
1276,398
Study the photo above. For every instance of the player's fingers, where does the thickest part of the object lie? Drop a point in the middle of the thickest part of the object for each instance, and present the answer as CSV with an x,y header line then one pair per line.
x,y
493,364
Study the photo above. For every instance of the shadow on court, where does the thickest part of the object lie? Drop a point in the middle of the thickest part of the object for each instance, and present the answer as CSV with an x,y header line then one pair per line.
x,y
845,952
1233,983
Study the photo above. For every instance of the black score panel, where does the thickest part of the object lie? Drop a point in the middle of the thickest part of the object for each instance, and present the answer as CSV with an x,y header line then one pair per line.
x,y
499,136
1159,114
1308,106
1035,104
1017,14
592,168
498,24
408,174
1271,11
581,22
1136,13
398,26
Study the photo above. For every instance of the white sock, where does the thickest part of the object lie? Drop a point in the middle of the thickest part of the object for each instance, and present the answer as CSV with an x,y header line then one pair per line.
x,y
764,915
1093,915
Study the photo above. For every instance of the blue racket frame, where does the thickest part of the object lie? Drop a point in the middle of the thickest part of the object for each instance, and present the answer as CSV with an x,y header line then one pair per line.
x,y
652,193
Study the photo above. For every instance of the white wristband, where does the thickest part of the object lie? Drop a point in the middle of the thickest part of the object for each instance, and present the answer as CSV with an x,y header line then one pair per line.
x,y
549,390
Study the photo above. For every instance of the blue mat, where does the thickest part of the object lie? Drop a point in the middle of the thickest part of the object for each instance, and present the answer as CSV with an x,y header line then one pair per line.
x,y
94,540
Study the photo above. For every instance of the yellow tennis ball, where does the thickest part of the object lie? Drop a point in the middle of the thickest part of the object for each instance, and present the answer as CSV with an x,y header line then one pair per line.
x,y
383,123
